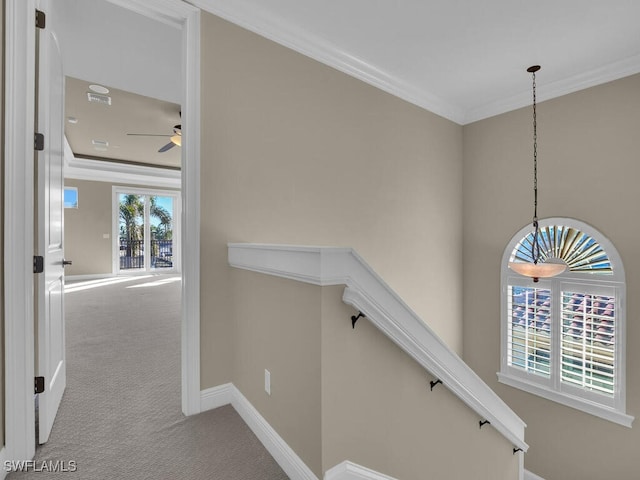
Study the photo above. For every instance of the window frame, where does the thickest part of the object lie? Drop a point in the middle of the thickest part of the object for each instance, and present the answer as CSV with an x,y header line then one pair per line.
x,y
77,204
612,408
117,190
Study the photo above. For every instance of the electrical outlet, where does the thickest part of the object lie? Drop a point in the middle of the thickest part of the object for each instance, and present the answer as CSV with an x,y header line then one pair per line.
x,y
267,381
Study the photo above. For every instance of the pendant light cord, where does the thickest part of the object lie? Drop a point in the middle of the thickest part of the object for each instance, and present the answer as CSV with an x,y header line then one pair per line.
x,y
535,247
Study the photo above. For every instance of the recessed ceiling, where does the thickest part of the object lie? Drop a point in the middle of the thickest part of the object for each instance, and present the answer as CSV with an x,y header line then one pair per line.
x,y
462,59
98,130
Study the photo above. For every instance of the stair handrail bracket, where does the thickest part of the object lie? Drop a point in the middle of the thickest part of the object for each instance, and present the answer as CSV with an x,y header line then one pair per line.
x,y
367,292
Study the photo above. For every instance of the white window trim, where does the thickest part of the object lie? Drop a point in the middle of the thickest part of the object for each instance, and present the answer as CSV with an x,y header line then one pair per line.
x,y
608,408
77,197
116,190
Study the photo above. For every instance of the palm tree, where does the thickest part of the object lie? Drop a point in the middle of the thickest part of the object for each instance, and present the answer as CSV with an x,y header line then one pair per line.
x,y
132,228
131,209
163,231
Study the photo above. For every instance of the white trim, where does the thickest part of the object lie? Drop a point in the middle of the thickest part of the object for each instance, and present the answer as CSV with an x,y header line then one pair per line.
x,y
607,73
215,397
187,17
302,41
367,292
292,465
169,12
352,471
115,172
567,399
282,453
117,190
191,213
531,476
552,388
18,229
322,50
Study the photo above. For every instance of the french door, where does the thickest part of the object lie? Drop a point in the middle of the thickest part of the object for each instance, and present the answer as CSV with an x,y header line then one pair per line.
x,y
146,230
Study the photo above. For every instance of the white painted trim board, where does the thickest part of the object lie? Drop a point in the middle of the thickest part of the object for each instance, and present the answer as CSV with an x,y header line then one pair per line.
x,y
352,471
18,229
367,292
531,476
283,454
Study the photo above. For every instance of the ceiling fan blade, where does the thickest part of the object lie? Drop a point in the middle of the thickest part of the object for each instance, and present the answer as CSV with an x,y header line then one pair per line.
x,y
167,147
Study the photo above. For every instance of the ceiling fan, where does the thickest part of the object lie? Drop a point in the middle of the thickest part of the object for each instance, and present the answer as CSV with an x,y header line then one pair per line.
x,y
176,138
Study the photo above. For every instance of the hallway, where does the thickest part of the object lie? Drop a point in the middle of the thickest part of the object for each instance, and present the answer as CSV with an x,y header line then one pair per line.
x,y
120,416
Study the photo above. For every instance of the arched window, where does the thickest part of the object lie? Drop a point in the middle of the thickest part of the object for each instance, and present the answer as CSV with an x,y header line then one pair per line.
x,y
563,338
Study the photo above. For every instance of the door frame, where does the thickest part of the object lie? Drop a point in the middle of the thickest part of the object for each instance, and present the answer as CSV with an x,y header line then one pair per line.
x,y
19,212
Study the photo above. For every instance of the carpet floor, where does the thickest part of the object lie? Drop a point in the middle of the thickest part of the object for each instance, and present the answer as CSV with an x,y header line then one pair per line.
x,y
120,417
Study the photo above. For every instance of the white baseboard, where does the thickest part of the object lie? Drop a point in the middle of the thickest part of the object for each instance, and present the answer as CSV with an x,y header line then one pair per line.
x,y
351,471
531,476
283,454
216,397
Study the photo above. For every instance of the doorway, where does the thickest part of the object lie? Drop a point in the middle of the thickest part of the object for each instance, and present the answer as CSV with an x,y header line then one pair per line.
x,y
19,212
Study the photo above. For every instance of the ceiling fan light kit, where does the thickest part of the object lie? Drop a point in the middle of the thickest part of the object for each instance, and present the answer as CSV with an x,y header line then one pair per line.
x,y
537,269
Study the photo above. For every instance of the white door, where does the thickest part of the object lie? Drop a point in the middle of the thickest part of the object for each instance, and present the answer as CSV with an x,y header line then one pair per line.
x,y
51,362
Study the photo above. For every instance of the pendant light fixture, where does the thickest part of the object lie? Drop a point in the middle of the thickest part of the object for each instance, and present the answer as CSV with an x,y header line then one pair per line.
x,y
536,269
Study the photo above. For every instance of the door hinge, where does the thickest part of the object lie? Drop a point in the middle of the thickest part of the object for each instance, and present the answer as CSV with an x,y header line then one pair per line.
x,y
38,141
38,385
41,19
38,264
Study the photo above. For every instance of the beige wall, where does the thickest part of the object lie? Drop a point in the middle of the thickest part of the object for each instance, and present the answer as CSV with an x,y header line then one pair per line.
x,y
378,410
339,393
588,170
296,152
278,329
84,226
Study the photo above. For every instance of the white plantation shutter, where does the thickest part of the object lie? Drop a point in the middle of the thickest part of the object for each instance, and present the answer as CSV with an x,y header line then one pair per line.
x,y
563,337
530,329
588,341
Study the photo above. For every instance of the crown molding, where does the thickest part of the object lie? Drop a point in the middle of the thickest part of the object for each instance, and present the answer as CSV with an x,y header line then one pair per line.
x,y
608,73
322,50
169,12
115,172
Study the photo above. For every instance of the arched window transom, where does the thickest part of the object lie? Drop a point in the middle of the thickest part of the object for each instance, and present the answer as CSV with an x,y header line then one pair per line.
x,y
562,338
580,251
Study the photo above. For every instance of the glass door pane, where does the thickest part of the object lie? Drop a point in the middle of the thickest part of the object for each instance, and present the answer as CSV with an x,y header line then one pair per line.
x,y
161,231
131,231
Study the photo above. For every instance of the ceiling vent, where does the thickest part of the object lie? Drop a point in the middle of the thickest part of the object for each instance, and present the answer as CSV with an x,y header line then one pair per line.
x,y
97,98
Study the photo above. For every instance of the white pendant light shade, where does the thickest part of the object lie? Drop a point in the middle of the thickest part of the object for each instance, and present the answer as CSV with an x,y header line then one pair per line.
x,y
538,270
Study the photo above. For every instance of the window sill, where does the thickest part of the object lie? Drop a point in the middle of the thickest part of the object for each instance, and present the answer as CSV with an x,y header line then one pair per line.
x,y
584,405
